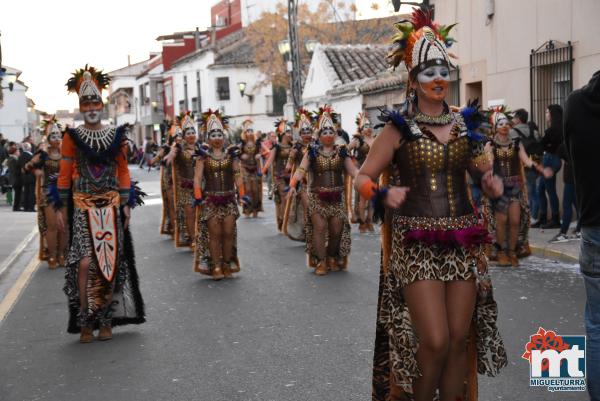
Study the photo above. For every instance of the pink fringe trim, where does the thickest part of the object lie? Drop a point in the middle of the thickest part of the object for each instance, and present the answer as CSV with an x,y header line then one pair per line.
x,y
220,200
330,196
465,238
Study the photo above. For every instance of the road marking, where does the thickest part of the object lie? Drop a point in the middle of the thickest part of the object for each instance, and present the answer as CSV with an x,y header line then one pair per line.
x,y
15,291
15,254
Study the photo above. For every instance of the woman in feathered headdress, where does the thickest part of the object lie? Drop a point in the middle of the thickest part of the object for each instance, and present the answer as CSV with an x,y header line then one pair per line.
x,y
94,175
251,168
327,225
278,156
168,220
511,210
46,162
296,206
360,146
181,158
217,176
434,280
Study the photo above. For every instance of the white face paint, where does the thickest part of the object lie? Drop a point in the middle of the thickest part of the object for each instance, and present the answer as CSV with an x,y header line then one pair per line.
x,y
54,137
92,117
503,122
215,135
430,74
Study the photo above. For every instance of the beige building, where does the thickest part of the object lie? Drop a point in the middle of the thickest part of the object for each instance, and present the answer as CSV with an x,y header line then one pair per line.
x,y
524,53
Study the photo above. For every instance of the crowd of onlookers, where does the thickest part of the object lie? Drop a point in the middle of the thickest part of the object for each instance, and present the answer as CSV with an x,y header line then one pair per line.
x,y
17,183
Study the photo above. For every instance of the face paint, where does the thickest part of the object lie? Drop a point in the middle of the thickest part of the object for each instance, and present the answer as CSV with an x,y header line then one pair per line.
x,y
190,136
327,137
216,139
502,126
433,82
54,139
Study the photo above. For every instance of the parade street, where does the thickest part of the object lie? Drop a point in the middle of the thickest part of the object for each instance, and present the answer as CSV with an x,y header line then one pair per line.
x,y
274,332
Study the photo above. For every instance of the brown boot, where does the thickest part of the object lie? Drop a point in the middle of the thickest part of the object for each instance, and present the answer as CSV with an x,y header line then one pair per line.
x,y
370,227
524,250
503,259
105,333
226,270
52,263
234,267
362,228
332,264
217,273
62,261
514,260
342,263
87,334
321,269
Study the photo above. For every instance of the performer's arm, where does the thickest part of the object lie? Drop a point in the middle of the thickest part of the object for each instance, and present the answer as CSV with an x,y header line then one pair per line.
x,y
482,166
300,172
67,166
159,156
290,161
239,181
198,174
123,177
350,167
269,160
526,160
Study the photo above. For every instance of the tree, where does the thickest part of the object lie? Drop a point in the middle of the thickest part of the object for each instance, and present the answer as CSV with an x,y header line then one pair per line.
x,y
330,23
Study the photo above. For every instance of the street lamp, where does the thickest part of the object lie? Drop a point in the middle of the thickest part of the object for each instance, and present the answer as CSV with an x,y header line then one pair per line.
x,y
311,45
242,88
398,3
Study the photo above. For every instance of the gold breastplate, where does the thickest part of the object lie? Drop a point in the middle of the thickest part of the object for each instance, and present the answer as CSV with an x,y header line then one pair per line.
x,y
506,160
281,157
218,174
185,163
328,170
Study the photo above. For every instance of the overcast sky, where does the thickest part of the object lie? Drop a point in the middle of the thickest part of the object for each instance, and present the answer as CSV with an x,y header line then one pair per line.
x,y
47,40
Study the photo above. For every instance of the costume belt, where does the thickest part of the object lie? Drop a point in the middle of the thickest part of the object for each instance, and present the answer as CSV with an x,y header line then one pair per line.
x,y
102,219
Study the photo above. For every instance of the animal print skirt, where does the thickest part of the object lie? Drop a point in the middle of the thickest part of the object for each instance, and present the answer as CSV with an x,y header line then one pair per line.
x,y
327,210
396,342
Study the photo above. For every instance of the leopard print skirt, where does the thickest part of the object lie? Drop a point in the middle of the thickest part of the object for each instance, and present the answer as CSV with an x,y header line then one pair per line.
x,y
396,342
327,210
207,212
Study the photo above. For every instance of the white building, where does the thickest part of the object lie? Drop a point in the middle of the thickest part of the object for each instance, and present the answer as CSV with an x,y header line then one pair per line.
x,y
14,118
352,78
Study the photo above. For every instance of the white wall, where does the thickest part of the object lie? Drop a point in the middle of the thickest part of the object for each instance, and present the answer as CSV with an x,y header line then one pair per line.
x,y
13,115
349,108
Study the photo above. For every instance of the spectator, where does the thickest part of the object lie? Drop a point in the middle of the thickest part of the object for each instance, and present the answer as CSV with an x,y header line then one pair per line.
x,y
582,140
553,137
568,201
529,136
14,175
27,178
148,152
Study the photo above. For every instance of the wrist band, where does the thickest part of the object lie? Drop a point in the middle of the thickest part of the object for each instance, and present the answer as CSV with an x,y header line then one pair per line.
x,y
242,191
368,189
197,193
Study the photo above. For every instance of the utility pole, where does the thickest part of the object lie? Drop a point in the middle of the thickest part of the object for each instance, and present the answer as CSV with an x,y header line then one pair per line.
x,y
296,81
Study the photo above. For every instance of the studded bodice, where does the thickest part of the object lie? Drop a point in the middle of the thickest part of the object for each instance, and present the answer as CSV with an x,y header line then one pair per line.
x,y
218,173
327,169
435,173
184,163
51,167
248,156
281,157
506,159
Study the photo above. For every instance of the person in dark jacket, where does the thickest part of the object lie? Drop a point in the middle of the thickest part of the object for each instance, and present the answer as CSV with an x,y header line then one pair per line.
x,y
582,139
14,175
27,177
553,137
568,200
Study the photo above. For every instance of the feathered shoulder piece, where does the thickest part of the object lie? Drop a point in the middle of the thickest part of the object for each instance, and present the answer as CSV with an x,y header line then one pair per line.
x,y
472,115
234,151
343,151
410,31
201,151
84,76
396,118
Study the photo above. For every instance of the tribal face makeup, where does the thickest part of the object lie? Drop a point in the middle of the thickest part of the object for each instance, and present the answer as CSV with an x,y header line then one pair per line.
x,y
503,125
433,82
92,112
216,138
327,137
190,136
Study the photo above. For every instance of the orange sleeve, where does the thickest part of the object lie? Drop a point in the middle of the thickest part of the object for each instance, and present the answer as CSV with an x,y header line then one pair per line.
x,y
67,166
123,177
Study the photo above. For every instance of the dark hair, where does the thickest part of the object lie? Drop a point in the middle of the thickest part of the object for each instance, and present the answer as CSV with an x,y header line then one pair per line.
x,y
522,115
556,116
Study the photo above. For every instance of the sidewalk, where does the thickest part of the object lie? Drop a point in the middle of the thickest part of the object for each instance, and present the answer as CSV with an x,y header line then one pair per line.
x,y
567,252
16,227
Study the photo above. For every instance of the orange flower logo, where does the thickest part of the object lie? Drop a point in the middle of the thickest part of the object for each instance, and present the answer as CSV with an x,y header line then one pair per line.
x,y
544,340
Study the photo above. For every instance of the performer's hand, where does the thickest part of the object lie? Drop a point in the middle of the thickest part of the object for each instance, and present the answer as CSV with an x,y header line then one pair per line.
x,y
547,172
395,197
291,191
492,185
127,214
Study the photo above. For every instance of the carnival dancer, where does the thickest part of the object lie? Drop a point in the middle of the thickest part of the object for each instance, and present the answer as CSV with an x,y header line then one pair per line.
x,y
278,157
181,157
327,226
432,239
101,279
359,147
294,215
251,168
217,175
168,220
512,208
46,162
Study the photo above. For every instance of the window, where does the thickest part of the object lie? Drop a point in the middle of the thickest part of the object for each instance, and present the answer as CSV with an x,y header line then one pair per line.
x,y
185,91
223,88
195,105
182,106
169,93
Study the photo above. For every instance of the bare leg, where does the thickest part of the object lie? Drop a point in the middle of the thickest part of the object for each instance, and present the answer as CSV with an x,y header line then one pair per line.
x,y
501,220
335,227
51,232
514,218
361,209
227,238
318,240
426,302
255,196
82,276
190,221
460,304
214,241
63,236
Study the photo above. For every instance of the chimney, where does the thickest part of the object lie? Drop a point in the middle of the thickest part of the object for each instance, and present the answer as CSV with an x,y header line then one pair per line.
x,y
213,36
197,38
129,60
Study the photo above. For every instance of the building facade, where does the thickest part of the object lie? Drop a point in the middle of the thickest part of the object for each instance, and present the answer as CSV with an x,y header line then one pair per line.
x,y
14,115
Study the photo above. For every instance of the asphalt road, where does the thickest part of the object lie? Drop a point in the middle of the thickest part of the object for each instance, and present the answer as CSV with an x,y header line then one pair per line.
x,y
275,332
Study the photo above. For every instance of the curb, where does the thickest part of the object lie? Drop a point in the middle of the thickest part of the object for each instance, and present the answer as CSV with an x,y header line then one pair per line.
x,y
5,265
544,252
